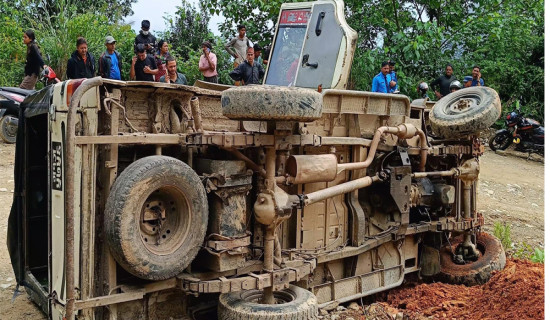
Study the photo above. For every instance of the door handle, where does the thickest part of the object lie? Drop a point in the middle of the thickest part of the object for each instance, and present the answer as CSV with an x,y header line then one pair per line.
x,y
319,21
305,62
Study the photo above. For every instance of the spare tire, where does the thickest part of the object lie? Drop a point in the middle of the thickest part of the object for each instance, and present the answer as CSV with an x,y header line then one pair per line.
x,y
465,111
492,258
294,303
264,102
156,217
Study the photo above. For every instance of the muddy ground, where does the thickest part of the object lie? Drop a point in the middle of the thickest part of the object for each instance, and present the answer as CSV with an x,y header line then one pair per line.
x,y
511,191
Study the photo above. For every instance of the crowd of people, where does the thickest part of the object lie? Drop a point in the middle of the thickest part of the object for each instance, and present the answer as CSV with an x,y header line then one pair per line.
x,y
152,60
386,81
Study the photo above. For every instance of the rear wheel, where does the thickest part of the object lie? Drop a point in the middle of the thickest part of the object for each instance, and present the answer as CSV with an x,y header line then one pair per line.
x,y
464,112
294,303
8,129
492,257
156,217
500,141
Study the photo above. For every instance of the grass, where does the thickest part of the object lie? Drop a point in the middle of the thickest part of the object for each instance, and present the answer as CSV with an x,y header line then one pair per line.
x,y
521,251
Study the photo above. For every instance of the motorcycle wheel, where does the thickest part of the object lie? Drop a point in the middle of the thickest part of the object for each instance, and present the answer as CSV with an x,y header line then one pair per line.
x,y
8,132
500,141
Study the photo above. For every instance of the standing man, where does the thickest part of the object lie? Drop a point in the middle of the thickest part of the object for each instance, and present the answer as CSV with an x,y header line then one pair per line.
x,y
380,83
110,62
144,66
393,77
146,38
258,54
172,75
207,63
476,78
444,82
250,71
81,64
237,46
34,61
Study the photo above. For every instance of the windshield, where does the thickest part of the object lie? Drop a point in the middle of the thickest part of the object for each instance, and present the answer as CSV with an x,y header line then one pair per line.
x,y
288,47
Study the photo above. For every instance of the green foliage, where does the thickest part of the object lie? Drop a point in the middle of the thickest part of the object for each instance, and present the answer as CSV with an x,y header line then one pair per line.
x,y
521,251
502,232
57,40
187,30
44,10
526,251
12,50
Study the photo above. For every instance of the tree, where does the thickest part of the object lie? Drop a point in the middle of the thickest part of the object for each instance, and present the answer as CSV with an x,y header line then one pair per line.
x,y
39,10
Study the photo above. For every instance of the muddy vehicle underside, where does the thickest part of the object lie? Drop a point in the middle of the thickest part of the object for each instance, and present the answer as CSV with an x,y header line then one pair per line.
x,y
149,201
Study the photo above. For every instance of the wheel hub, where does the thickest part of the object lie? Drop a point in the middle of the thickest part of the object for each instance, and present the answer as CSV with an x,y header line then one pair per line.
x,y
162,221
461,105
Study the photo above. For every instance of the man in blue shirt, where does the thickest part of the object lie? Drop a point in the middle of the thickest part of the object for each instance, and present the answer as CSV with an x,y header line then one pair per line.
x,y
110,62
380,83
393,77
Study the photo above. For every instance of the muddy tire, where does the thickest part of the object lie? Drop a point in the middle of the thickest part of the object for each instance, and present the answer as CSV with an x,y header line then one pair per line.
x,y
156,217
479,272
8,132
294,303
465,111
271,103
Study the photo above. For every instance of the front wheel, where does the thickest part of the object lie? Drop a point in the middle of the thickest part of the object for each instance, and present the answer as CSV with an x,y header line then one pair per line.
x,y
294,303
492,258
8,129
500,141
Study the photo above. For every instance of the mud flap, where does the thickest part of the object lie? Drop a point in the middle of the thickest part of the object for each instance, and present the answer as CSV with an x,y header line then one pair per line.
x,y
430,264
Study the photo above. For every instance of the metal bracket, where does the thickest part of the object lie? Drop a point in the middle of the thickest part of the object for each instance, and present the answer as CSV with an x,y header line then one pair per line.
x,y
404,156
280,279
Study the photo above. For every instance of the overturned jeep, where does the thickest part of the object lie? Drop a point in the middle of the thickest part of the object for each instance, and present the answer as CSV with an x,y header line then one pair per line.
x,y
138,200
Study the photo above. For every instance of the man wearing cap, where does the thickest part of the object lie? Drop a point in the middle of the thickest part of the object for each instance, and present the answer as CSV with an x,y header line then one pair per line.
x,y
110,62
380,83
146,38
393,77
467,81
144,66
207,63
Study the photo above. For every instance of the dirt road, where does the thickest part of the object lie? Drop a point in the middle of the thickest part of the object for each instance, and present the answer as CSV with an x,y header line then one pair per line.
x,y
511,190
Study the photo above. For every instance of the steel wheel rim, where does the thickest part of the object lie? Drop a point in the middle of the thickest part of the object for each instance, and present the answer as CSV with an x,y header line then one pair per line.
x,y
163,236
255,296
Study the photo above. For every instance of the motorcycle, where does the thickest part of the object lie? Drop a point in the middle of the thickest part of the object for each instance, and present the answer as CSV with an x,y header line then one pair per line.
x,y
527,133
11,98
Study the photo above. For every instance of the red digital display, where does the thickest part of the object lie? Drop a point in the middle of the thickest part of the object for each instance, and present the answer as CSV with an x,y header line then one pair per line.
x,y
294,17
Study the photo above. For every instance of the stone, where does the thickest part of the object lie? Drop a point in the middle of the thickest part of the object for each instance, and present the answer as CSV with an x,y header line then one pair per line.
x,y
3,190
323,312
5,285
353,306
340,308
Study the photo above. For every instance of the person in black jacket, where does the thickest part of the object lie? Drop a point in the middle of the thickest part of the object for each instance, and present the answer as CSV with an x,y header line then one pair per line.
x,y
34,61
146,38
444,82
110,62
81,64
